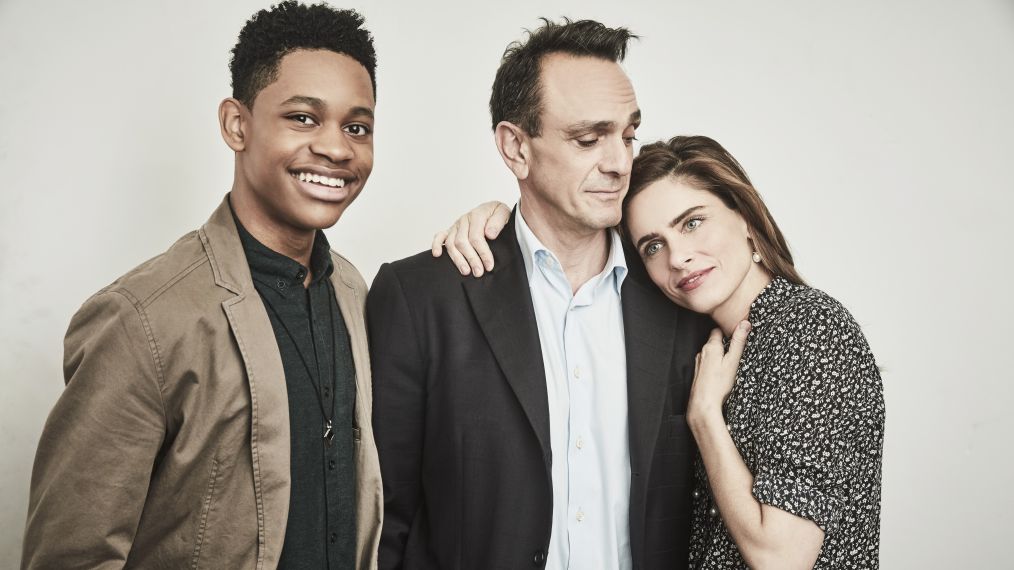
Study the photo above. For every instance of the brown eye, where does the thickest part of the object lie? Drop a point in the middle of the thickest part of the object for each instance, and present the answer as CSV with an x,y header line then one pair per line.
x,y
357,130
303,119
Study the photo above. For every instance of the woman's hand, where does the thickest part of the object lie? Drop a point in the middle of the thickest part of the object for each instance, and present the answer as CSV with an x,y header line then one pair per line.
x,y
466,239
715,373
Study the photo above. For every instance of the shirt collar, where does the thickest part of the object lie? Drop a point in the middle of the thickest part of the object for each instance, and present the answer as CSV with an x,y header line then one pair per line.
x,y
532,248
279,271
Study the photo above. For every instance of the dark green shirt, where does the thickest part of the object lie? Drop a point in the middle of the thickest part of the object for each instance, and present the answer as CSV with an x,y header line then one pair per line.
x,y
320,378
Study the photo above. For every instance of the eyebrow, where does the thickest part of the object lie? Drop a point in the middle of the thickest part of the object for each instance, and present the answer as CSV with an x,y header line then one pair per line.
x,y
314,102
600,126
675,222
319,105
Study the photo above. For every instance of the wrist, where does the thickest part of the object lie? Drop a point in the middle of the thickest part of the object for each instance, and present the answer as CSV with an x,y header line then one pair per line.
x,y
701,416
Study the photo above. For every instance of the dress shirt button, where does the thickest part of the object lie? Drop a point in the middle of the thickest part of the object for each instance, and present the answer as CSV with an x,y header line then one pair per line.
x,y
712,512
579,443
332,464
577,372
539,558
327,392
301,274
580,515
333,537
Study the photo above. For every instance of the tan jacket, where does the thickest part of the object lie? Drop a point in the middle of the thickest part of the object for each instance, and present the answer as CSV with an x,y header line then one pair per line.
x,y
169,447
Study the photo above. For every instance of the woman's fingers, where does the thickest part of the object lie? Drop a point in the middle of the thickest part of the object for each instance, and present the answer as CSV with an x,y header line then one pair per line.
x,y
437,247
737,344
450,244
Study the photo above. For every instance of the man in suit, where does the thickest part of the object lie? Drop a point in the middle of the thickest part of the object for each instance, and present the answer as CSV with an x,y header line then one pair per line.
x,y
217,408
535,416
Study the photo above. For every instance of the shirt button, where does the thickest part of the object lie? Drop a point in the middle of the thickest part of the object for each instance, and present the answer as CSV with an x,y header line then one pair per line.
x,y
280,284
539,558
579,443
580,515
577,372
301,274
332,464
334,537
327,392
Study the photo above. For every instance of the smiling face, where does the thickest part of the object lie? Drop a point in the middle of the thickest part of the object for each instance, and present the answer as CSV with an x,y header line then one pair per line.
x,y
579,167
695,248
305,149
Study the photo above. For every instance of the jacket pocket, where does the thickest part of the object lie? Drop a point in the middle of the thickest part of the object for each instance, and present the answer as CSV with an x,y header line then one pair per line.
x,y
206,506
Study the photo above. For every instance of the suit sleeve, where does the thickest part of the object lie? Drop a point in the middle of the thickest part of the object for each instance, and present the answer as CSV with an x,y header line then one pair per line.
x,y
98,447
399,400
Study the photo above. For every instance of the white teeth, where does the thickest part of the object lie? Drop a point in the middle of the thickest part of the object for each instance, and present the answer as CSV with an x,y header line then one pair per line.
x,y
327,181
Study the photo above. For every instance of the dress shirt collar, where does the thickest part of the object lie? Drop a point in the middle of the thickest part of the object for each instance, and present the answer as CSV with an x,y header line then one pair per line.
x,y
533,249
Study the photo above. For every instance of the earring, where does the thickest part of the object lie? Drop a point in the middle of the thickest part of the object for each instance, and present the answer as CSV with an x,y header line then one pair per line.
x,y
756,257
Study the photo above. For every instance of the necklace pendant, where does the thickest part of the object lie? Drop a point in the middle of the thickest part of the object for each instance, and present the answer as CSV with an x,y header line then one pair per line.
x,y
328,433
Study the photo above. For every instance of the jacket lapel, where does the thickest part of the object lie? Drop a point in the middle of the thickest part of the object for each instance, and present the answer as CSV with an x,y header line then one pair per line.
x,y
269,413
649,325
502,303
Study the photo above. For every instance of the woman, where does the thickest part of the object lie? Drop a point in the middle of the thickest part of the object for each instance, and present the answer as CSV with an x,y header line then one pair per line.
x,y
789,422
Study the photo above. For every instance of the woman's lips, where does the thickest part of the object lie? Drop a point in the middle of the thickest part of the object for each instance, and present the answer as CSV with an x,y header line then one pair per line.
x,y
694,280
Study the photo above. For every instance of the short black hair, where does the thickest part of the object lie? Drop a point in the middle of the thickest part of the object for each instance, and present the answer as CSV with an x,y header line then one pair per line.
x,y
269,35
517,92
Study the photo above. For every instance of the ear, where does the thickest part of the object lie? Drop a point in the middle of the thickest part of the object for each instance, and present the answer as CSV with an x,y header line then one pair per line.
x,y
512,142
232,122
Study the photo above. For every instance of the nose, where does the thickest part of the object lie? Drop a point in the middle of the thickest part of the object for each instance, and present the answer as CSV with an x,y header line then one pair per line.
x,y
617,157
680,258
332,145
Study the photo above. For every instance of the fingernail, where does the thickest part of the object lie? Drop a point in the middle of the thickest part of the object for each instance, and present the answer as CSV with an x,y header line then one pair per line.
x,y
745,325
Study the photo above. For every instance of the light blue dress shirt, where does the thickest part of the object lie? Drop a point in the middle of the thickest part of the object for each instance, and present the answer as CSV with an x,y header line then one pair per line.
x,y
586,381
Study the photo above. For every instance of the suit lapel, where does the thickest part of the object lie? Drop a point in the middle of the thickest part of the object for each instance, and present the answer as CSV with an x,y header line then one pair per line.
x,y
649,326
502,303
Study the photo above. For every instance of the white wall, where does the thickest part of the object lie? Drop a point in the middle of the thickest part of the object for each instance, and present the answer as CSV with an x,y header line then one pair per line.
x,y
881,135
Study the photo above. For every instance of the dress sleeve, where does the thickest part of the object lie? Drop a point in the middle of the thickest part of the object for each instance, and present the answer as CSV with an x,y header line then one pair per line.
x,y
825,424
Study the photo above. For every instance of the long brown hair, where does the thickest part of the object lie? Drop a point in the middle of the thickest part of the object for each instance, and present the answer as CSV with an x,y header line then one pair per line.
x,y
704,164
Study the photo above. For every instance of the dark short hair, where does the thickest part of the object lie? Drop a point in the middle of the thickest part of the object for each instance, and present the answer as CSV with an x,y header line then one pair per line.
x,y
517,93
704,164
269,35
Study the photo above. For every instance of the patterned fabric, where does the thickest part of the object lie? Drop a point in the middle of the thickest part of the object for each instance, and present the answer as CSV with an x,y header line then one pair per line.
x,y
807,415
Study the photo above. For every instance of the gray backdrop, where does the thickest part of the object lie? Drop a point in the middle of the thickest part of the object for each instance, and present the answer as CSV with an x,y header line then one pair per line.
x,y
880,135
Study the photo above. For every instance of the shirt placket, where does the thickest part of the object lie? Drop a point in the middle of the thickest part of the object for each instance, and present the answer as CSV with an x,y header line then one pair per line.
x,y
583,495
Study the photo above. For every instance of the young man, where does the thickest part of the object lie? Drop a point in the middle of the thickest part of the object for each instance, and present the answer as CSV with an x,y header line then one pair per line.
x,y
217,408
535,416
